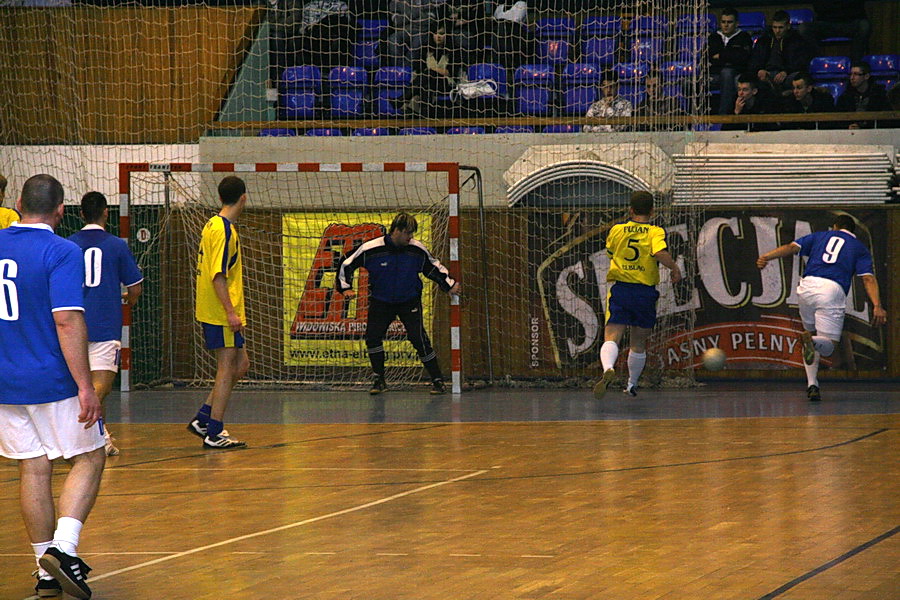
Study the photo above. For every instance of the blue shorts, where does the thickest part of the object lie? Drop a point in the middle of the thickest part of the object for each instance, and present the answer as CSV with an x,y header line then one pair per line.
x,y
221,336
631,304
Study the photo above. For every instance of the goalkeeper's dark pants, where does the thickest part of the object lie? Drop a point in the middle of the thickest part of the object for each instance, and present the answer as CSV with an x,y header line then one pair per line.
x,y
381,315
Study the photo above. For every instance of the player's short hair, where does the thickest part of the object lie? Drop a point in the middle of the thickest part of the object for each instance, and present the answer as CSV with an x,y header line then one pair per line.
x,y
781,16
642,203
231,189
2,185
806,77
862,66
41,195
749,78
404,222
729,10
845,222
92,206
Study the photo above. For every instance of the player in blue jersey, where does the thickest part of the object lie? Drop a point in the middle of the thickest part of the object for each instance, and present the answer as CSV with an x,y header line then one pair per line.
x,y
48,406
108,265
394,263
833,258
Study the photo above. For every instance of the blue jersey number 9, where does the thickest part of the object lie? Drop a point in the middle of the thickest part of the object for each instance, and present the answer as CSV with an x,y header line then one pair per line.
x,y
832,249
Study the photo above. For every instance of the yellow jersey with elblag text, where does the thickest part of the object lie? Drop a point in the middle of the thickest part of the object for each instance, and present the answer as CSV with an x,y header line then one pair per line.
x,y
631,246
220,252
8,216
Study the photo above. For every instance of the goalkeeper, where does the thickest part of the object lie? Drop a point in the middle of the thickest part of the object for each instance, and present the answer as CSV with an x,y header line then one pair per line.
x,y
394,262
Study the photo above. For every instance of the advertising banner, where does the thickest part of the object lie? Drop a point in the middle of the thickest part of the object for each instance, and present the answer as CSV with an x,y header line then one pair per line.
x,y
750,314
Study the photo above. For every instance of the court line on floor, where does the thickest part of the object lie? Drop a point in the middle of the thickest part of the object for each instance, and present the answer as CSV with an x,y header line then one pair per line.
x,y
830,563
288,526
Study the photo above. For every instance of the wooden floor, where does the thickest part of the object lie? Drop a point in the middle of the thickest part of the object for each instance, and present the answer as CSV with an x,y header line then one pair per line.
x,y
591,507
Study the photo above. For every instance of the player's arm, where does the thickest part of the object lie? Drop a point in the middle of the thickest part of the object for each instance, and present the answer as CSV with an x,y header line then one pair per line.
x,y
343,281
133,292
779,252
220,285
72,333
438,273
879,315
666,260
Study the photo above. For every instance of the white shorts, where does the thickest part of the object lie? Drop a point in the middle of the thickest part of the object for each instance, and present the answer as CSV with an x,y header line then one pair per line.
x,y
104,356
822,306
51,429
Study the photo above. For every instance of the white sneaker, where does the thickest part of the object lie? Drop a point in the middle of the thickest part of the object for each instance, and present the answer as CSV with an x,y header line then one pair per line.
x,y
111,450
222,442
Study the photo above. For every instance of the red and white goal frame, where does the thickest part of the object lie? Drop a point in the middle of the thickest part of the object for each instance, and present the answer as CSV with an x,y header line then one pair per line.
x,y
451,169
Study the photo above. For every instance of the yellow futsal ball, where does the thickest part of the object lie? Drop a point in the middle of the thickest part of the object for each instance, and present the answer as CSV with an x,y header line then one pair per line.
x,y
714,359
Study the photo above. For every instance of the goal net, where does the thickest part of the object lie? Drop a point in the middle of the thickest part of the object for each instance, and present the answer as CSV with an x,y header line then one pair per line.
x,y
300,219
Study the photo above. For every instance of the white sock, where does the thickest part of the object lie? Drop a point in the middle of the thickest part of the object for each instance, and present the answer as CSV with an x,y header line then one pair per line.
x,y
39,550
823,345
636,362
609,352
812,371
68,531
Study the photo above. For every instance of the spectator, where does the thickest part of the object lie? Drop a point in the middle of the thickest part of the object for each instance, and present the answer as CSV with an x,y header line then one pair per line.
x,y
311,32
412,20
472,29
609,105
806,99
752,100
657,103
862,95
893,96
729,54
840,18
780,53
434,75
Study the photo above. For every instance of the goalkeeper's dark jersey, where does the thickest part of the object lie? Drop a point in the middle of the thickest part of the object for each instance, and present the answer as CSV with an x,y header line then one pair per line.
x,y
393,270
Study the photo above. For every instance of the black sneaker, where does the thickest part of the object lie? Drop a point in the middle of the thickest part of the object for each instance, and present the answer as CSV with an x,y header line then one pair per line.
x,y
222,442
47,588
631,390
438,387
378,385
812,393
197,429
70,571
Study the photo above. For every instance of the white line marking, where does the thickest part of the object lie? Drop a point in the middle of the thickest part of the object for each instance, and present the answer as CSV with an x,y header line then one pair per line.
x,y
536,556
139,468
320,553
391,554
466,555
288,526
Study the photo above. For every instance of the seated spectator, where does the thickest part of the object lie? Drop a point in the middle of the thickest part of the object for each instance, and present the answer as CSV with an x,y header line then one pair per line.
x,y
729,54
753,99
893,96
840,18
657,104
472,28
515,43
780,53
411,21
433,75
610,104
806,99
310,32
862,95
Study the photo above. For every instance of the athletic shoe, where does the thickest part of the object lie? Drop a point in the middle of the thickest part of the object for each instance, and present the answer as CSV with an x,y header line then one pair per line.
x,y
222,442
438,387
631,390
111,450
197,429
812,393
46,588
600,388
378,385
70,571
809,350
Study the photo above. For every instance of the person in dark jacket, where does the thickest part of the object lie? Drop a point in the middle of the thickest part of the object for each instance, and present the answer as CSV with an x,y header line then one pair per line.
x,y
394,263
862,95
806,99
729,54
753,99
840,18
780,53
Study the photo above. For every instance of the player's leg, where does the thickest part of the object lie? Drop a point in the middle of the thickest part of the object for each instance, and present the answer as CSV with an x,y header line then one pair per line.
x,y
637,357
411,316
821,305
104,362
232,364
380,317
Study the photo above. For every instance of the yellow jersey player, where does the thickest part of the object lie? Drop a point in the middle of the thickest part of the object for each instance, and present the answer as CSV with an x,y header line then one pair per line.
x,y
635,249
220,311
8,216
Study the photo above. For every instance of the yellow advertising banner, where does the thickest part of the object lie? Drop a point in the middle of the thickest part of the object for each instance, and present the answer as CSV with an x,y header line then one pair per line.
x,y
321,327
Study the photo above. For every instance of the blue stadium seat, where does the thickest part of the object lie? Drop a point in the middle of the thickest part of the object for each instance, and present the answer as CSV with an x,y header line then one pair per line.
x,y
391,84
297,105
562,129
597,26
555,28
302,77
649,26
554,52
493,71
631,71
883,65
828,68
689,49
578,99
369,131
676,90
800,16
835,88
366,54
707,127
886,82
348,90
324,132
418,131
698,25
752,21
676,71
370,29
277,132
465,130
646,50
599,51
582,73
300,87
533,89
634,93
514,129
580,81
